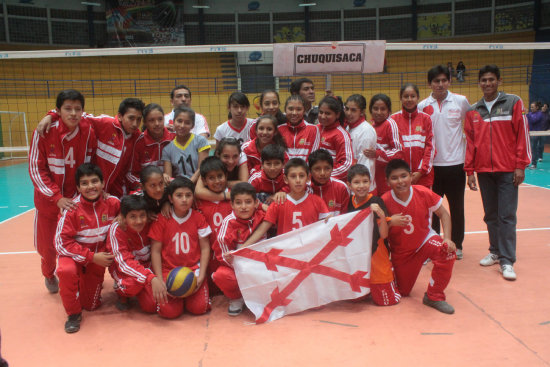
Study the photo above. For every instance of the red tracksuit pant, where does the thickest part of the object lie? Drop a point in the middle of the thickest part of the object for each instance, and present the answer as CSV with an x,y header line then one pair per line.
x,y
408,267
197,304
127,286
79,286
45,224
225,279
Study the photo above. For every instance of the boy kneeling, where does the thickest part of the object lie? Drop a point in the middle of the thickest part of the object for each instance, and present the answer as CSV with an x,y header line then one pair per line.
x,y
80,245
412,239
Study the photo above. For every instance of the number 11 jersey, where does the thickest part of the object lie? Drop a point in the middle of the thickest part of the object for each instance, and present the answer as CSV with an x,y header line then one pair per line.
x,y
185,158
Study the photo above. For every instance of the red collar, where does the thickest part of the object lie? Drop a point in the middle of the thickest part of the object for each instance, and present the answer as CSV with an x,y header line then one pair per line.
x,y
409,115
357,123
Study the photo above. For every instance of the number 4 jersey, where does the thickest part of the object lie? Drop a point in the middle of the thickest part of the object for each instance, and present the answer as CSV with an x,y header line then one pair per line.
x,y
418,208
180,239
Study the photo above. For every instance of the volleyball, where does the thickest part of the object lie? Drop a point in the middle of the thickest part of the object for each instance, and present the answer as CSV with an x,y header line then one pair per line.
x,y
181,282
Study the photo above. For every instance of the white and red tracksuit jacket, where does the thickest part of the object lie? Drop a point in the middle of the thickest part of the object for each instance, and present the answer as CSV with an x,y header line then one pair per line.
x,y
132,252
147,151
300,140
262,183
335,194
389,145
81,232
418,146
234,232
53,160
114,150
497,141
337,141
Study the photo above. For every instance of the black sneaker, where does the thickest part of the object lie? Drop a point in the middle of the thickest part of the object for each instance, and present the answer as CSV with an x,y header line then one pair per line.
x,y
52,284
73,323
441,306
122,304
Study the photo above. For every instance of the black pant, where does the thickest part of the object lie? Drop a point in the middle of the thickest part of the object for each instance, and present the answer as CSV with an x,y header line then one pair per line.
x,y
450,181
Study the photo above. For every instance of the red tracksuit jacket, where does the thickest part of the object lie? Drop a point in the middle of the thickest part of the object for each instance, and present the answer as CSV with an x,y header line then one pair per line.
x,y
418,147
497,141
53,161
389,145
81,232
262,183
300,140
147,151
337,141
132,252
335,194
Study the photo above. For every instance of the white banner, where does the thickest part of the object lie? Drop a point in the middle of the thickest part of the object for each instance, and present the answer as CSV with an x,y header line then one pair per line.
x,y
308,267
328,58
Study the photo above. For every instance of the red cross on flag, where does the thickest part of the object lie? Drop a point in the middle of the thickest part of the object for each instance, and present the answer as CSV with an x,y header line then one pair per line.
x,y
308,267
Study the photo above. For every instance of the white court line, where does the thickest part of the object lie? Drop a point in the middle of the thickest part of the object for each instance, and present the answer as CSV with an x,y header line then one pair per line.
x,y
526,185
517,230
18,253
18,215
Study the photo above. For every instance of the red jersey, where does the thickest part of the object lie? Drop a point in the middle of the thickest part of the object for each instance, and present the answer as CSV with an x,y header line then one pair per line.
x,y
81,232
132,252
294,214
262,183
300,140
180,239
419,207
147,151
389,145
416,130
53,160
214,212
335,194
337,141
234,232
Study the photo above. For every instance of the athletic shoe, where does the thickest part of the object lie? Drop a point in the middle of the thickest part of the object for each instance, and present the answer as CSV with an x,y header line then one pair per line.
x,y
122,303
532,166
488,260
52,284
235,307
427,261
539,160
73,323
508,272
459,254
441,306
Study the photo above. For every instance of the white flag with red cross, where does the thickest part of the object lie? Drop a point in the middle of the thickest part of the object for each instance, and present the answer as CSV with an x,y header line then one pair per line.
x,y
308,267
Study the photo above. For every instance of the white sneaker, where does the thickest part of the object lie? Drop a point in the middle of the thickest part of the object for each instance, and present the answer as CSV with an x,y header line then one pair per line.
x,y
459,254
508,272
488,260
235,307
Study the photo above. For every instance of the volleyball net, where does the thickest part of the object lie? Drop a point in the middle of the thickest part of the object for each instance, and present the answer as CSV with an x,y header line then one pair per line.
x,y
31,80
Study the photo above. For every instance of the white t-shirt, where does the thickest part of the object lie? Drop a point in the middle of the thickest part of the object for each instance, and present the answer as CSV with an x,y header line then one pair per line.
x,y
226,130
448,129
201,125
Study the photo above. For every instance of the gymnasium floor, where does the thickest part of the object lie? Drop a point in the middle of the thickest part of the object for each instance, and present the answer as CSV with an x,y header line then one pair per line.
x,y
496,322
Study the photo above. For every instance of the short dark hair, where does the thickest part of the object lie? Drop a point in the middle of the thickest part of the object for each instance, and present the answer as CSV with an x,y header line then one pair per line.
x,y
238,97
359,100
409,85
358,170
178,183
380,97
147,172
396,164
320,155
132,202
184,109
296,162
128,103
492,68
243,188
296,85
336,105
69,95
438,70
230,140
87,169
210,164
295,97
273,151
181,86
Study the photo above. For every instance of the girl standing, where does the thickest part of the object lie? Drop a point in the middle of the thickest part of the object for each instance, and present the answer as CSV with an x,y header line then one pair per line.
x,y
238,125
301,138
267,133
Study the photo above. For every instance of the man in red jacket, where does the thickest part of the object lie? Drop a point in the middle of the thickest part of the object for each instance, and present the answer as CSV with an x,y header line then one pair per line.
x,y
497,148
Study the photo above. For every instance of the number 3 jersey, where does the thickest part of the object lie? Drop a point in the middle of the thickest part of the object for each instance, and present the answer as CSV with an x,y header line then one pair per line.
x,y
185,158
180,239
419,207
294,214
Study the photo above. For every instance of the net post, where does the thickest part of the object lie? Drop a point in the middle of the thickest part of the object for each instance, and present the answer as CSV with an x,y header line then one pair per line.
x,y
26,132
277,87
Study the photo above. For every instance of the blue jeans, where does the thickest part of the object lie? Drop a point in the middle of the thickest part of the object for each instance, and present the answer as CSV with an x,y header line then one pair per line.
x,y
500,203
